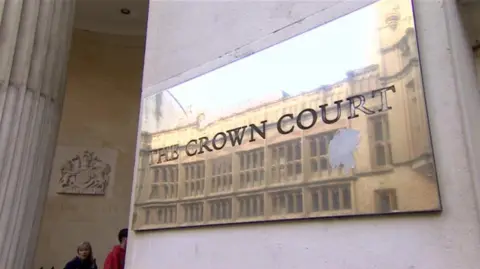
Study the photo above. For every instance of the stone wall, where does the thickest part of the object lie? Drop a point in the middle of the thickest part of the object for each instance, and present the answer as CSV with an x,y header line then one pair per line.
x,y
100,115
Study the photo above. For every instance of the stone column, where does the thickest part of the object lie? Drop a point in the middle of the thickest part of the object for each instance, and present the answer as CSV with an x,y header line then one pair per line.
x,y
34,46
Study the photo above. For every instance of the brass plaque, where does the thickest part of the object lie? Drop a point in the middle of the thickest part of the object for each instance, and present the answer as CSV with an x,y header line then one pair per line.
x,y
330,123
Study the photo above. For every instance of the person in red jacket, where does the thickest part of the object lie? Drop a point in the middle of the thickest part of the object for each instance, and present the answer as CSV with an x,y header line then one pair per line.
x,y
116,258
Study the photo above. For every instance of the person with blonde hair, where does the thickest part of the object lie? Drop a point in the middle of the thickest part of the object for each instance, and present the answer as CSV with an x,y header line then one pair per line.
x,y
84,258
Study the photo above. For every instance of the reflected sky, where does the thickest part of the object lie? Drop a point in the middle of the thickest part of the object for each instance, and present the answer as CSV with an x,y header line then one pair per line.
x,y
319,57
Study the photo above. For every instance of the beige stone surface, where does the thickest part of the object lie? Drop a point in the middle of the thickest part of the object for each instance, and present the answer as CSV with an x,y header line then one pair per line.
x,y
100,112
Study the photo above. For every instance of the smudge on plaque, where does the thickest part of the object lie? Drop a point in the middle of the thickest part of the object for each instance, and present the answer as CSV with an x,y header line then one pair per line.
x,y
341,149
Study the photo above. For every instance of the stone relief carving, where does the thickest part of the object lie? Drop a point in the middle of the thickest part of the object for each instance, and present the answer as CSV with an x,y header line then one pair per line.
x,y
84,173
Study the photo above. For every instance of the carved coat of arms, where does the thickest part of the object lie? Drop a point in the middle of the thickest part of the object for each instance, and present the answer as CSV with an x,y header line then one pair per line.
x,y
84,174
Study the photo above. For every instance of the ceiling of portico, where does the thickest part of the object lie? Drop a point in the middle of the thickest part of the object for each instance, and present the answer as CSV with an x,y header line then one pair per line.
x,y
465,2
469,12
105,16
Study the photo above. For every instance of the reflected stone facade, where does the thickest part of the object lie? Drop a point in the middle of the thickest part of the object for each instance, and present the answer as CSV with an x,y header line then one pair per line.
x,y
289,176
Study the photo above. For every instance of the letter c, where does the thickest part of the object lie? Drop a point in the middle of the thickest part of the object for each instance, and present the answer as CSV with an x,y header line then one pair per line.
x,y
279,124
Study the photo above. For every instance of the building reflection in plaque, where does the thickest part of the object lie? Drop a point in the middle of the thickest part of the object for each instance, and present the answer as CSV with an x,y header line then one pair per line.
x,y
253,141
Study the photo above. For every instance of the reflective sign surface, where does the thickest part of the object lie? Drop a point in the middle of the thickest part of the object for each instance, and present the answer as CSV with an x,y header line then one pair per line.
x,y
330,123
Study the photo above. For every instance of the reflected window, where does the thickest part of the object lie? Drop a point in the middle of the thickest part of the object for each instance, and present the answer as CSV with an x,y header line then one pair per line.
x,y
222,174
147,216
221,209
193,212
287,202
134,218
380,142
154,191
194,178
286,161
252,173
167,214
164,182
386,200
319,151
251,206
331,198
415,102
